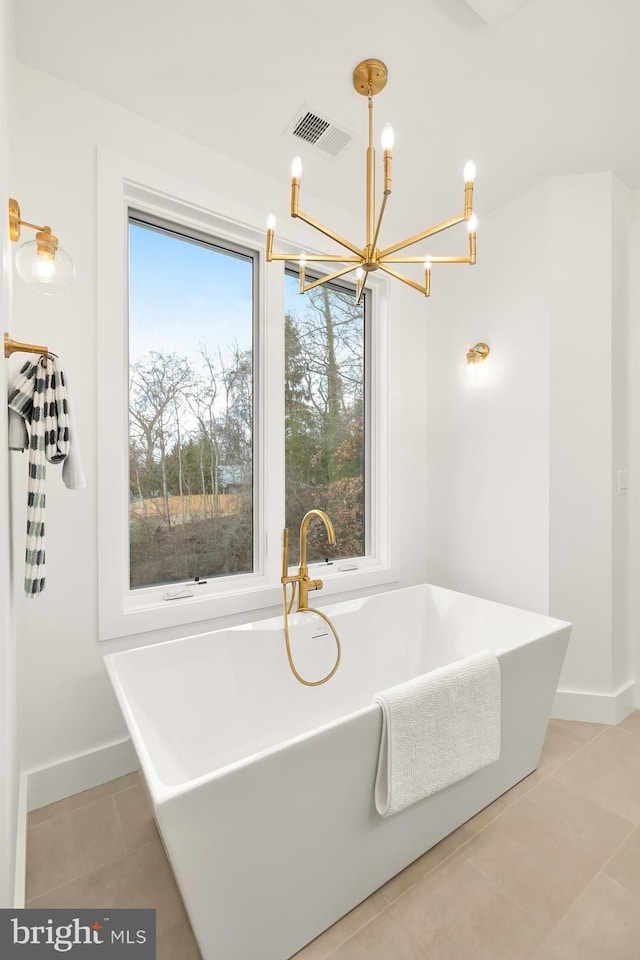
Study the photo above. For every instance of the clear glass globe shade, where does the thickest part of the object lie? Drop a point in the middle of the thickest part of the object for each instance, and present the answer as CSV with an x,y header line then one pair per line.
x,y
51,277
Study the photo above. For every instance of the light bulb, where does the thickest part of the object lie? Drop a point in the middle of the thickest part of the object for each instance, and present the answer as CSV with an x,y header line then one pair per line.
x,y
44,274
427,262
359,274
472,223
271,222
469,173
302,259
296,168
388,137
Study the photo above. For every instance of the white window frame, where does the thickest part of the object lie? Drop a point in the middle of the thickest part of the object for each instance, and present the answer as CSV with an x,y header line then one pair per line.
x,y
125,184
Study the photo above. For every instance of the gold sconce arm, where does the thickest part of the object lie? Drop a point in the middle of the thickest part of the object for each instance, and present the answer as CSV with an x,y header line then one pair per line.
x,y
47,243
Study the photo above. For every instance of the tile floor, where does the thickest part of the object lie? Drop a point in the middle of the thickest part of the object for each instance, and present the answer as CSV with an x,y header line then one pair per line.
x,y
550,871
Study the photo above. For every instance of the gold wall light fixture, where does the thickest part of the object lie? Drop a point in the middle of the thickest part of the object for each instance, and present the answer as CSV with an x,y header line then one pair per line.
x,y
41,263
478,353
369,78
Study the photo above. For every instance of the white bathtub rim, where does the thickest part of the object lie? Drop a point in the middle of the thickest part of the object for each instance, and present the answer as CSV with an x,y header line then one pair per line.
x,y
161,791
340,606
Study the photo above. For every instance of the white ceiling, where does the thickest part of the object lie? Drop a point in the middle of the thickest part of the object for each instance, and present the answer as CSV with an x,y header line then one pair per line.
x,y
550,88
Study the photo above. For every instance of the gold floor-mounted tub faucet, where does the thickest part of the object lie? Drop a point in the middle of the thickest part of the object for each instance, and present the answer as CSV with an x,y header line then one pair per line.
x,y
302,578
305,583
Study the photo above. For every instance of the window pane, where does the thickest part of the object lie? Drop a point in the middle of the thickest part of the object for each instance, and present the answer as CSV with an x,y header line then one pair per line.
x,y
324,414
191,309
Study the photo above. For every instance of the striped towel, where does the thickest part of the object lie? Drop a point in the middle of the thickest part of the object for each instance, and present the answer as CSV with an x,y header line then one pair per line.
x,y
39,396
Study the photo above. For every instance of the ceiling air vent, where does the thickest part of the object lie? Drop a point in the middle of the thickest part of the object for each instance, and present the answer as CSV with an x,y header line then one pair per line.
x,y
312,128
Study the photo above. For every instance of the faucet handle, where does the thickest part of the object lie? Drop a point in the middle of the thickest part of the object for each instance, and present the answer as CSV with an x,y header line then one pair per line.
x,y
315,585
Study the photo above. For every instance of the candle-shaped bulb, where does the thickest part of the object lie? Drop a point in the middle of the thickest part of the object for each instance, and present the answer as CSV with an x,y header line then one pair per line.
x,y
472,223
296,168
388,137
271,222
359,274
469,172
427,262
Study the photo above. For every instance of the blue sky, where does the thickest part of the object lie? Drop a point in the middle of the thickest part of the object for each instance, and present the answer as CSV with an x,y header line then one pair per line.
x,y
183,294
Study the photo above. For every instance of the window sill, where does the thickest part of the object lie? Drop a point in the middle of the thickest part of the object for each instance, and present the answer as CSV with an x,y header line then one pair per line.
x,y
143,612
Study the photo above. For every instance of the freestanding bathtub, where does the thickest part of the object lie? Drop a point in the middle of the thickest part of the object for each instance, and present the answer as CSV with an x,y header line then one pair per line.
x,y
263,788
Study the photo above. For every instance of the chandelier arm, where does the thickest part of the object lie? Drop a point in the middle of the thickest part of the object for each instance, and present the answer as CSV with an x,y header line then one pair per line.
x,y
422,259
422,288
319,257
361,285
330,276
422,236
330,233
379,224
329,258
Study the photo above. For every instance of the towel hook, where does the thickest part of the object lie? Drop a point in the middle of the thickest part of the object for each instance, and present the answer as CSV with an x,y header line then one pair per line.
x,y
15,346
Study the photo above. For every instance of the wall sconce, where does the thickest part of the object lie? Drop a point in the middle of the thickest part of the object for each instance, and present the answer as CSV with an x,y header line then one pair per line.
x,y
41,263
478,353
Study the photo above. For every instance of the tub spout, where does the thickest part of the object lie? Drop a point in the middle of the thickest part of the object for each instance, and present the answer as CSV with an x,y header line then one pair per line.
x,y
305,582
302,578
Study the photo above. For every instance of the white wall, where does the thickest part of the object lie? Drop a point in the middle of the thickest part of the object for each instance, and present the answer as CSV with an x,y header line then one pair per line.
x,y
588,428
634,444
522,504
8,730
488,425
66,704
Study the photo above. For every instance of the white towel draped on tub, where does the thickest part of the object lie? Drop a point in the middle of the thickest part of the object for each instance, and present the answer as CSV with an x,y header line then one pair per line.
x,y
436,730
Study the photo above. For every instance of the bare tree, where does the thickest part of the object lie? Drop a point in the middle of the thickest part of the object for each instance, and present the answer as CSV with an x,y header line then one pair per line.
x,y
156,391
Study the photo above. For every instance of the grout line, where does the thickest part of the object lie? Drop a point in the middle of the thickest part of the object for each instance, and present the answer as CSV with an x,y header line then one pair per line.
x,y
119,822
105,866
634,829
80,806
578,898
353,933
68,813
497,816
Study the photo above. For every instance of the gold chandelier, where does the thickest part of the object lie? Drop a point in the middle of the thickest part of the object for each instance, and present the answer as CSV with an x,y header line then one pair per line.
x,y
369,78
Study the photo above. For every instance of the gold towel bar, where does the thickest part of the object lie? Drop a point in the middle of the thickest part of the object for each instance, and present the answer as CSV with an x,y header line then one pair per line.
x,y
14,346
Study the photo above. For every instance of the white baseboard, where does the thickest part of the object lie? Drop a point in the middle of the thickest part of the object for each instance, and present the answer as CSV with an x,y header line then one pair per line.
x,y
20,879
75,774
596,707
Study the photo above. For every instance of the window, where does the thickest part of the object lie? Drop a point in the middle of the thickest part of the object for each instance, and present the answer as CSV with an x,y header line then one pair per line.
x,y
191,320
202,459
325,403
